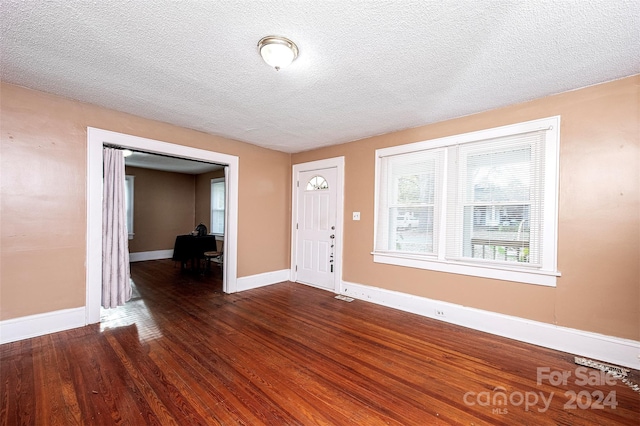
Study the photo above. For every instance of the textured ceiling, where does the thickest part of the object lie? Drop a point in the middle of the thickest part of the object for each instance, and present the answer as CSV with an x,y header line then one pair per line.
x,y
365,67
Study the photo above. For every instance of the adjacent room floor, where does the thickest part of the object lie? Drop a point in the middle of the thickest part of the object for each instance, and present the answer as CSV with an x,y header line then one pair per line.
x,y
182,352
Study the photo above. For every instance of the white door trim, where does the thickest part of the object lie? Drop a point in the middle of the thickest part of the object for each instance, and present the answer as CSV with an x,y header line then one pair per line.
x,y
338,163
95,140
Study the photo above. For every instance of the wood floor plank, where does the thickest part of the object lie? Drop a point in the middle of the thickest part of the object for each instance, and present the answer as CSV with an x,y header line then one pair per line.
x,y
50,407
16,373
104,396
73,413
278,388
182,352
154,401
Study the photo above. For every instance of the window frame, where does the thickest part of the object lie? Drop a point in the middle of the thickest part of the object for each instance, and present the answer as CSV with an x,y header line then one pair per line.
x,y
546,274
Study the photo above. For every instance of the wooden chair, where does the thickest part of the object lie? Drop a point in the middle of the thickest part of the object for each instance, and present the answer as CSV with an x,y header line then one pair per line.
x,y
215,256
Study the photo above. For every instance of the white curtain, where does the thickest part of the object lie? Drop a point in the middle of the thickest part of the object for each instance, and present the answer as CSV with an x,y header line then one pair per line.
x,y
116,285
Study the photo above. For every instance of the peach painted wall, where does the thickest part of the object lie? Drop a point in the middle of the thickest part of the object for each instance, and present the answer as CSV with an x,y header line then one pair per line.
x,y
599,214
43,217
164,206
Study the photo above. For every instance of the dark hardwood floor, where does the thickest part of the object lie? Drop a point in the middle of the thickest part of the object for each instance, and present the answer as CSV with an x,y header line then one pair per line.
x,y
183,353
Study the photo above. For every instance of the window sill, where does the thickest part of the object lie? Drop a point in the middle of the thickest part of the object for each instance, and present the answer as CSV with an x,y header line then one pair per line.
x,y
537,277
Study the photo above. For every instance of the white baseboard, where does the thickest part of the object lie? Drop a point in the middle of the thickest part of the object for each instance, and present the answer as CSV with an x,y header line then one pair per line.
x,y
21,328
261,280
141,256
613,350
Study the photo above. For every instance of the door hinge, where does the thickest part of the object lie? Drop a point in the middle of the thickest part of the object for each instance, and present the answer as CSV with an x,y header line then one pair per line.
x,y
298,184
296,268
296,226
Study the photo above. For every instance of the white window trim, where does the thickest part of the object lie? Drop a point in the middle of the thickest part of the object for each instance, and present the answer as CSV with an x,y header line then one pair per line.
x,y
547,274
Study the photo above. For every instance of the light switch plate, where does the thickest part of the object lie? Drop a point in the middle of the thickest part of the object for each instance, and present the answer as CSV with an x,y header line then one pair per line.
x,y
356,215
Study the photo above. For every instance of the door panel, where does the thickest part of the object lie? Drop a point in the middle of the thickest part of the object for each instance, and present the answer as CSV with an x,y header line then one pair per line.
x,y
316,227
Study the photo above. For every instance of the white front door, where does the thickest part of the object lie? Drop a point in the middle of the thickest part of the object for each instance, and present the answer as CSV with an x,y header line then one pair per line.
x,y
316,251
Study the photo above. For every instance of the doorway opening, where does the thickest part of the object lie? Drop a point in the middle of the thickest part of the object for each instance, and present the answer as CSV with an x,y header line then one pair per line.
x,y
96,138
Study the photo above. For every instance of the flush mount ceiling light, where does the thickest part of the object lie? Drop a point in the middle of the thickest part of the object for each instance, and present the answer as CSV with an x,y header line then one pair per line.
x,y
277,51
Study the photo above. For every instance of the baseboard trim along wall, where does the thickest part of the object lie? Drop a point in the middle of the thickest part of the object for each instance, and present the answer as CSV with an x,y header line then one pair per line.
x,y
261,280
21,328
150,255
600,347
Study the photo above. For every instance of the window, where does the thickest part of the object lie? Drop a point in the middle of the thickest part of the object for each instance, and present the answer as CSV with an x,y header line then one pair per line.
x,y
481,204
407,223
128,199
217,206
317,183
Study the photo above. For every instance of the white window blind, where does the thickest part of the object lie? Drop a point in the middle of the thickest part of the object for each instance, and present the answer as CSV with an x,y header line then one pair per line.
x,y
128,198
495,200
217,206
408,194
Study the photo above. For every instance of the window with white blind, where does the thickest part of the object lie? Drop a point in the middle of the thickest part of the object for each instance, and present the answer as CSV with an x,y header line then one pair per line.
x,y
407,222
217,206
128,200
481,203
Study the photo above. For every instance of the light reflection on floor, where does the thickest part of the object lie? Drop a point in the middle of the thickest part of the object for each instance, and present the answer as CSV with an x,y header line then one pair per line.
x,y
134,312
